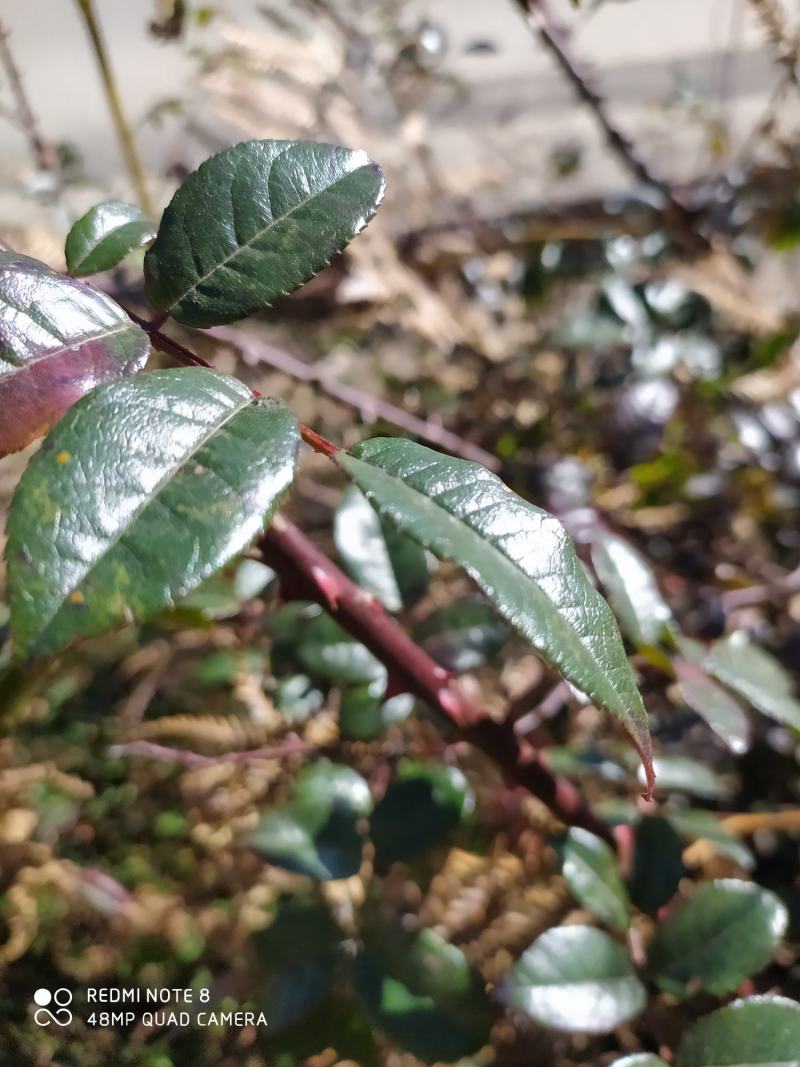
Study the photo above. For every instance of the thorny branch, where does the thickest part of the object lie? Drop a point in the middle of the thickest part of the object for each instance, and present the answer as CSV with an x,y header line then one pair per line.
x,y
773,21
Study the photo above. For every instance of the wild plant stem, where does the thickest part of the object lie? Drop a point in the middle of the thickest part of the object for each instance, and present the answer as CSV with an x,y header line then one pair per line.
x,y
41,149
126,139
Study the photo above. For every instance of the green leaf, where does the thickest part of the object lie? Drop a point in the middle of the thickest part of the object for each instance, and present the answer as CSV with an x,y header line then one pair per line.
x,y
723,713
756,1032
365,715
378,558
317,833
577,979
105,235
520,557
424,803
462,635
657,864
421,991
632,588
255,222
640,1059
329,653
756,676
58,339
298,698
724,933
142,491
298,954
696,824
590,870
680,774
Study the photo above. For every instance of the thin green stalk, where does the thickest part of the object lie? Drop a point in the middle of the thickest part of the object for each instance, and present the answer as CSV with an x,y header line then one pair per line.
x,y
135,169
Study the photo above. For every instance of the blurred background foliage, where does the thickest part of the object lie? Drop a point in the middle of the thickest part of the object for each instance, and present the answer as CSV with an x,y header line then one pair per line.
x,y
649,398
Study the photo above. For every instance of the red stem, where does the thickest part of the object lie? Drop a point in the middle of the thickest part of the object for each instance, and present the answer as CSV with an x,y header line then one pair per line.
x,y
307,573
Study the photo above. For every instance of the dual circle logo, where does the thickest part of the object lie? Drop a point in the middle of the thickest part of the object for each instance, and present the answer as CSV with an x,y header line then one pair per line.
x,y
60,1014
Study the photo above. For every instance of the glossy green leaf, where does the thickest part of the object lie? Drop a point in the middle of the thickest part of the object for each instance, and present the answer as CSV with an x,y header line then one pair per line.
x,y
756,1032
421,991
632,588
59,338
576,978
519,555
297,954
723,713
756,676
105,235
142,491
681,774
254,222
657,864
724,933
462,635
328,652
297,698
365,714
590,870
317,833
384,562
640,1059
424,803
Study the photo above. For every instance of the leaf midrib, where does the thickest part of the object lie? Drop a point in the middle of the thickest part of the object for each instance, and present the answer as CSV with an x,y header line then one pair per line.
x,y
24,365
264,231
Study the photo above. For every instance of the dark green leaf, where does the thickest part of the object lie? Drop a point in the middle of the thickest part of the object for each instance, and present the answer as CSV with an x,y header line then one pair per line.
x,y
757,1032
317,833
463,635
724,933
254,222
723,713
390,566
105,235
365,715
632,588
142,491
590,870
657,864
424,803
58,339
421,991
298,954
576,978
519,555
756,676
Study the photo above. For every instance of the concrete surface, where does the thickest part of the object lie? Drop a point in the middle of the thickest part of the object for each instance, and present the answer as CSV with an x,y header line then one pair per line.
x,y
518,107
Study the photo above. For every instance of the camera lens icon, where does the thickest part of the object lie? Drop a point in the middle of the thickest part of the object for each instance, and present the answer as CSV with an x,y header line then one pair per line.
x,y
61,1015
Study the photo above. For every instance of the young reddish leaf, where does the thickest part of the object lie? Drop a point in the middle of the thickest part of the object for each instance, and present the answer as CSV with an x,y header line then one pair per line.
x,y
146,488
104,236
59,338
273,214
519,555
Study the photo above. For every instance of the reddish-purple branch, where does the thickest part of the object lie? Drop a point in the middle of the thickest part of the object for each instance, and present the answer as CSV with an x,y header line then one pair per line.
x,y
307,573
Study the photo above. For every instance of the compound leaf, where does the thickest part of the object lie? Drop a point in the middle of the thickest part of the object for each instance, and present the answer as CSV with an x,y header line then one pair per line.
x,y
59,338
271,214
142,491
